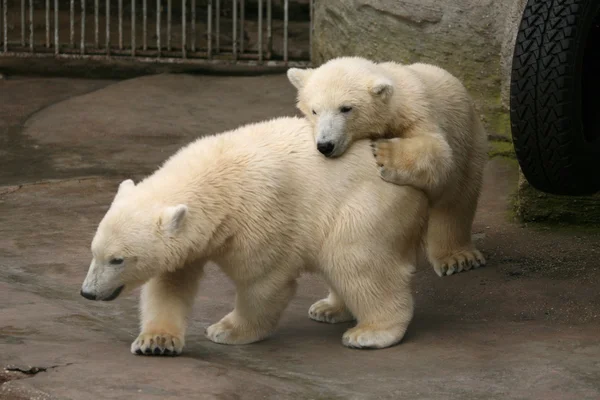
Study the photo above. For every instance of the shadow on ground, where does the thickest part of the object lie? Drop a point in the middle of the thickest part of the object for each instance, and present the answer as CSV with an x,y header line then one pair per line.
x,y
524,327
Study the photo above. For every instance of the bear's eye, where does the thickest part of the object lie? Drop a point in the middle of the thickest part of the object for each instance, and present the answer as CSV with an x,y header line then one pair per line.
x,y
116,261
314,112
345,109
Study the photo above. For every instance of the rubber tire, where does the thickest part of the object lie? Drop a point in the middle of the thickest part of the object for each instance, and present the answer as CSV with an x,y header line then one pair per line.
x,y
555,84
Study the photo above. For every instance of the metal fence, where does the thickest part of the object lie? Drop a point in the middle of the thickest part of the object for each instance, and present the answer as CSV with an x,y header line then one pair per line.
x,y
164,31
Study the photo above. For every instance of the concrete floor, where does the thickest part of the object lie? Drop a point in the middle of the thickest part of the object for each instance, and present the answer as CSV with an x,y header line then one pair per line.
x,y
524,327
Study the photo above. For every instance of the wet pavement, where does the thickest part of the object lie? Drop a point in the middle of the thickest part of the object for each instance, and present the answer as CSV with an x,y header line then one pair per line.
x,y
524,327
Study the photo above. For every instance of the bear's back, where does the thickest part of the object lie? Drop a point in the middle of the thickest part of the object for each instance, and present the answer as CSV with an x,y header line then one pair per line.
x,y
277,185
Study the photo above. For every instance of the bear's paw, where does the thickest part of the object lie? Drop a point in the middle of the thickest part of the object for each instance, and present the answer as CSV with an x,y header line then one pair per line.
x,y
383,151
324,311
370,337
157,344
458,262
229,331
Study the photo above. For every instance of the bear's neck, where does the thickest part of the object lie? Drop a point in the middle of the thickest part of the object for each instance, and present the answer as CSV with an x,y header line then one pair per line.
x,y
407,105
212,190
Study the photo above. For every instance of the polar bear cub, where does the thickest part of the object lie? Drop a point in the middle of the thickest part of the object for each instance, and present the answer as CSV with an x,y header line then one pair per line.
x,y
265,206
429,136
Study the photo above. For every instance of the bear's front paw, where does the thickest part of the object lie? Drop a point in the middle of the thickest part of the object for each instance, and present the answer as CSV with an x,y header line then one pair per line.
x,y
324,311
157,344
371,337
228,331
384,157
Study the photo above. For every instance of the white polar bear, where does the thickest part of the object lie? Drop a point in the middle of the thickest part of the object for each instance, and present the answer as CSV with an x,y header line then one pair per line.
x,y
261,203
429,136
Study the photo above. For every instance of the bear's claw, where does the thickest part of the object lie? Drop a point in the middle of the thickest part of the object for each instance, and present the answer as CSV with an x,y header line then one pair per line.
x,y
152,344
458,262
383,152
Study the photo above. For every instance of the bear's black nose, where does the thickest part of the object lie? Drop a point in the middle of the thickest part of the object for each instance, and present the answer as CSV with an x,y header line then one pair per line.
x,y
325,148
88,296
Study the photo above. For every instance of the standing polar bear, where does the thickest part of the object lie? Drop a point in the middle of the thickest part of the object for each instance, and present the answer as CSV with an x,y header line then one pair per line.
x,y
428,136
259,202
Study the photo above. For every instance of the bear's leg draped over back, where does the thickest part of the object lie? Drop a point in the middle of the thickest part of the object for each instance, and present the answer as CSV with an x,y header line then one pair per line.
x,y
258,307
165,305
426,162
423,161
330,309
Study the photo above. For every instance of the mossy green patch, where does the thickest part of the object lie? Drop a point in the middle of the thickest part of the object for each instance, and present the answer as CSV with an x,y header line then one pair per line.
x,y
499,123
501,149
532,205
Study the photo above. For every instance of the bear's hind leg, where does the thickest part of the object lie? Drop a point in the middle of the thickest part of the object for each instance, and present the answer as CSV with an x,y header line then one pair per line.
x,y
258,308
165,304
375,286
449,245
330,309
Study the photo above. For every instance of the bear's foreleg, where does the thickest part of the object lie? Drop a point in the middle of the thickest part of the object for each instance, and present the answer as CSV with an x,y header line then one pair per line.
x,y
423,161
165,304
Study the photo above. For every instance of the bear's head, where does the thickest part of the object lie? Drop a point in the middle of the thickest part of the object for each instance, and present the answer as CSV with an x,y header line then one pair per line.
x,y
345,99
136,240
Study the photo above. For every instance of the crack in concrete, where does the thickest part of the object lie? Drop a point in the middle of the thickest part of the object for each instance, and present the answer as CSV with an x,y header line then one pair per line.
x,y
32,370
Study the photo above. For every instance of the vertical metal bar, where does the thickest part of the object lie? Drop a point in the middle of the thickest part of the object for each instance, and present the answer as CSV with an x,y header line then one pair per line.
x,y
269,28
218,27
286,7
183,29
260,31
158,27
56,44
132,28
82,44
107,27
242,17
23,23
47,23
209,30
2,23
31,26
120,24
234,33
5,24
194,22
169,5
145,25
311,6
96,24
72,23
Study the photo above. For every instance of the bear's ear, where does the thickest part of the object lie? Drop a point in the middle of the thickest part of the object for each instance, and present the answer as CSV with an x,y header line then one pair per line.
x,y
173,217
124,188
298,76
382,87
